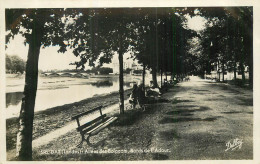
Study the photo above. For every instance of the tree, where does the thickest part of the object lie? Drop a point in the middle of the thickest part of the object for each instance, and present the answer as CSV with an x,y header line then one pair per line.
x,y
102,70
162,41
127,70
41,28
245,19
228,38
15,64
148,47
103,32
8,63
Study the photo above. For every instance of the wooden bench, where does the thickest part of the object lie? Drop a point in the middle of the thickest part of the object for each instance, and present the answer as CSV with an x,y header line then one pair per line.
x,y
94,126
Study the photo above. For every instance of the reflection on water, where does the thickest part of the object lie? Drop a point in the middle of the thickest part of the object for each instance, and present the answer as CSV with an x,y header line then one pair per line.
x,y
128,84
13,98
103,84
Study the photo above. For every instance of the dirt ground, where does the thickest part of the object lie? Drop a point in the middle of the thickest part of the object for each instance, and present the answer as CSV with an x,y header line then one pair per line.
x,y
57,117
192,120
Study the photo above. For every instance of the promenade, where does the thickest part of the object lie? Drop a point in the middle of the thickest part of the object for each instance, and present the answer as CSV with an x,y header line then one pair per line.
x,y
195,120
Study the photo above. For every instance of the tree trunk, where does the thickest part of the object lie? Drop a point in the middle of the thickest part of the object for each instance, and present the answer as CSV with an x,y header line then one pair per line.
x,y
251,56
121,82
235,71
144,75
223,71
251,63
24,135
243,72
154,74
218,71
251,70
251,78
161,78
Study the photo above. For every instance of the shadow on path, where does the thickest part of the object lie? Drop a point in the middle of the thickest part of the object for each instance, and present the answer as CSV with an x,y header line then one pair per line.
x,y
166,120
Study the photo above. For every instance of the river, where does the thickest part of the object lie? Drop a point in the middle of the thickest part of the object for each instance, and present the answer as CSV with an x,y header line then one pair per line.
x,y
57,91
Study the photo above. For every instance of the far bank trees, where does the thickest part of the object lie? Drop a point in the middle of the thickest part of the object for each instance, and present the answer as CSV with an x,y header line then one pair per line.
x,y
14,64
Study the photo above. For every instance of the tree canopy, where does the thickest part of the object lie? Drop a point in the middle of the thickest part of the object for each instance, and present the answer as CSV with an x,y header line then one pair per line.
x,y
15,64
227,39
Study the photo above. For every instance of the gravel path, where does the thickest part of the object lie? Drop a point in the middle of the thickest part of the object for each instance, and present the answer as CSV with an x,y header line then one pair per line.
x,y
203,117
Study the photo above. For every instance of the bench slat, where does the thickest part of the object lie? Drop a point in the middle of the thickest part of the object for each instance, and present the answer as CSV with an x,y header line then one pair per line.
x,y
94,125
80,128
85,113
102,126
93,129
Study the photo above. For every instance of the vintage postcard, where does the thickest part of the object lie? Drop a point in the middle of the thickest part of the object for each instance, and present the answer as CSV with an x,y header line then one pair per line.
x,y
156,82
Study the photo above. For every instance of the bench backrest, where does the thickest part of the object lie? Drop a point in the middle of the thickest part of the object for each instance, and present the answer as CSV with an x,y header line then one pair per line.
x,y
87,112
81,127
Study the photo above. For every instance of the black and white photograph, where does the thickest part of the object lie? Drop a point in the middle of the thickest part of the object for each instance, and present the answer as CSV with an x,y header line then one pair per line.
x,y
129,83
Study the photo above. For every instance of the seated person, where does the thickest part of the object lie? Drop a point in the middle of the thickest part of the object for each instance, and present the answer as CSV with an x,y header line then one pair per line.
x,y
133,96
141,94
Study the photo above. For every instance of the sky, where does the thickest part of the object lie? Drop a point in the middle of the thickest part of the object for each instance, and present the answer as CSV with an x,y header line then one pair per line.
x,y
196,23
50,59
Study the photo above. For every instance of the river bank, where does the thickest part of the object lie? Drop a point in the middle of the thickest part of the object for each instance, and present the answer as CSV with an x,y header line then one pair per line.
x,y
56,117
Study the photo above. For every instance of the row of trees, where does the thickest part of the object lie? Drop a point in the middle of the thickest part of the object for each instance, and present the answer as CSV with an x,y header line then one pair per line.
x,y
226,40
100,70
94,34
150,34
14,64
162,42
